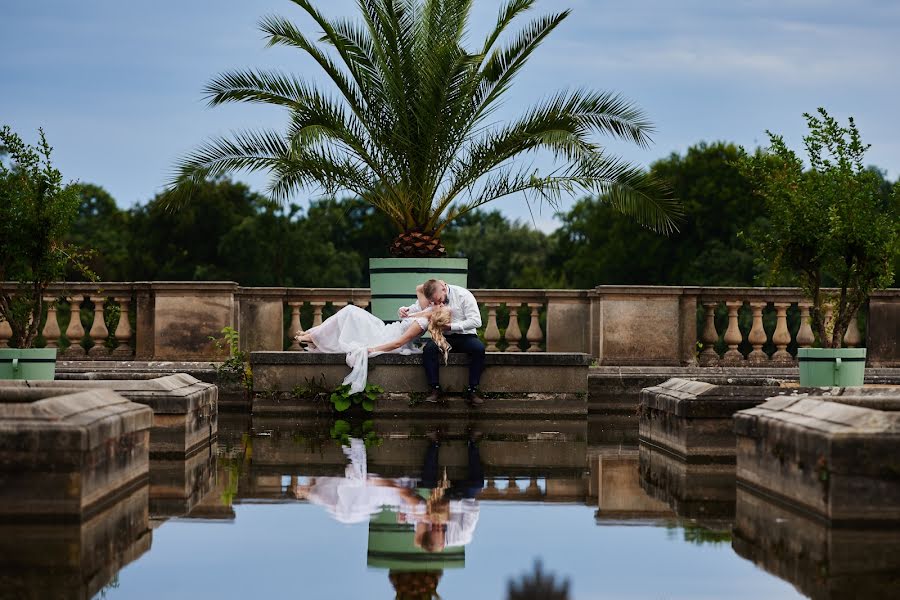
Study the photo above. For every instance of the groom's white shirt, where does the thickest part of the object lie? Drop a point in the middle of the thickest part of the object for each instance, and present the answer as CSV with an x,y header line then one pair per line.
x,y
463,307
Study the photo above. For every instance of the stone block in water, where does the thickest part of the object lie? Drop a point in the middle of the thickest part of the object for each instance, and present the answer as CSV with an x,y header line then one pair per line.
x,y
65,457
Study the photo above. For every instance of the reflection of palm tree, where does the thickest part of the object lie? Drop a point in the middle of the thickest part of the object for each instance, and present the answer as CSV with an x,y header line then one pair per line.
x,y
415,585
409,129
538,586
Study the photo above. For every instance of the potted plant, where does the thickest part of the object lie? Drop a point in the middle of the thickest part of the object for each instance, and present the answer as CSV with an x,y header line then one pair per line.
x,y
829,226
409,127
36,211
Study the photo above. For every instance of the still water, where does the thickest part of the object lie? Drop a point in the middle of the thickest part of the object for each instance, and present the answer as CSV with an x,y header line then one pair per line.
x,y
461,509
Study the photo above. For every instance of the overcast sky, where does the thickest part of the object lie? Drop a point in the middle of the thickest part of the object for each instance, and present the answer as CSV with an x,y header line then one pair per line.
x,y
117,85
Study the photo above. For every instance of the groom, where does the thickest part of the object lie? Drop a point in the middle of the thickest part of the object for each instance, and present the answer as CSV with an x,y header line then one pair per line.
x,y
460,334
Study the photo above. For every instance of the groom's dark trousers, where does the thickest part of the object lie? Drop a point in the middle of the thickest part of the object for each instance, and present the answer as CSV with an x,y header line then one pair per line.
x,y
459,342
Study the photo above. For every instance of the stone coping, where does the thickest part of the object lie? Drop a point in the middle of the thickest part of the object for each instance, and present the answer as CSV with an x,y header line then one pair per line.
x,y
519,359
169,394
821,414
698,399
79,421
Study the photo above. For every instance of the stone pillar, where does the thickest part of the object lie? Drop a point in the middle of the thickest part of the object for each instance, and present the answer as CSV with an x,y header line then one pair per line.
x,y
757,335
123,329
805,335
534,335
262,319
98,331
733,335
568,321
145,313
641,325
317,312
781,337
881,332
688,327
492,332
709,356
187,314
295,325
51,330
75,330
513,333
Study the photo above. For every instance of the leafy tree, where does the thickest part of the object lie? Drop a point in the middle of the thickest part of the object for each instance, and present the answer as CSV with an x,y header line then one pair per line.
x,y
36,211
102,227
409,130
595,245
828,224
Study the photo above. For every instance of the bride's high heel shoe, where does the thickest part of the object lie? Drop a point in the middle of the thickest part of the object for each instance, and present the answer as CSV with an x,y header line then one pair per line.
x,y
305,344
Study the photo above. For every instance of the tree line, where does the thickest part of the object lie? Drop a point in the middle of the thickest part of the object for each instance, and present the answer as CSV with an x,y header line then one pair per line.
x,y
228,232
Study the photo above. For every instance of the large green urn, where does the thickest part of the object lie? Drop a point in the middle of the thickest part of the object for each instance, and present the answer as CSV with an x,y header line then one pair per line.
x,y
393,281
27,363
831,367
392,546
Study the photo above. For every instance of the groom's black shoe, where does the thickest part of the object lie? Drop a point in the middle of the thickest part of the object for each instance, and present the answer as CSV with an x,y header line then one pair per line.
x,y
474,397
435,396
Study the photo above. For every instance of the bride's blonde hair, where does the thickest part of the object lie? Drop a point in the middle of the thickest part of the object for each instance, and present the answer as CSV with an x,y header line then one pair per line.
x,y
440,318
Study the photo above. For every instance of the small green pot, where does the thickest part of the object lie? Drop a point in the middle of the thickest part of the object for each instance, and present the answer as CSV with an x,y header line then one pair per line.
x,y
28,363
831,367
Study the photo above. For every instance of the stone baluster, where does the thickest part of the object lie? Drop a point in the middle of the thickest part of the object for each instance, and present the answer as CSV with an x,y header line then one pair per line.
x,y
513,333
317,313
757,336
852,337
490,488
5,334
123,331
75,330
805,336
360,303
533,489
295,325
781,337
733,335
492,332
710,336
51,330
828,320
534,335
98,331
512,486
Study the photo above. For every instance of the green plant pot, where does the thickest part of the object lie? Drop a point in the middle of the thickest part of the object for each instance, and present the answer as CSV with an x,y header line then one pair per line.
x,y
392,546
831,367
28,363
393,280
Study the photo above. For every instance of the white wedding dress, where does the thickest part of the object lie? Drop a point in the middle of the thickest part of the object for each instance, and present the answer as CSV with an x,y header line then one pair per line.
x,y
354,330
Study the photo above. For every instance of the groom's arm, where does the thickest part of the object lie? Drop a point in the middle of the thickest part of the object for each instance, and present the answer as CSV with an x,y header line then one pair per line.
x,y
419,305
470,317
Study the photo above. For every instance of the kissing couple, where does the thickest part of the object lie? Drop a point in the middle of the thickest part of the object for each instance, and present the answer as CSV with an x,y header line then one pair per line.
x,y
449,313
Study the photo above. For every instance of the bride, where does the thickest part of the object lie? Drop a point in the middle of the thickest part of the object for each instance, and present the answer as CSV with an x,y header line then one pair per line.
x,y
360,334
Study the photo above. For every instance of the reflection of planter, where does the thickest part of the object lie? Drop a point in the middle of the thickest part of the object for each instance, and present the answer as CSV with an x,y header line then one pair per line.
x,y
392,546
841,367
27,363
393,280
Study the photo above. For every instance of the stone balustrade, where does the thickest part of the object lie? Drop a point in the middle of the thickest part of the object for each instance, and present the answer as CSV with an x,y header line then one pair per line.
x,y
617,325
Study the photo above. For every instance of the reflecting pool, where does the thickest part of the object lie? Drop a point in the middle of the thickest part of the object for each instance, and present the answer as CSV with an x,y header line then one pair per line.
x,y
385,509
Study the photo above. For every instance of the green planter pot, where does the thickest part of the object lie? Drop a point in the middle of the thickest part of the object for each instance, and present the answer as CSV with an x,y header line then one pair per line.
x,y
393,280
28,363
392,546
834,367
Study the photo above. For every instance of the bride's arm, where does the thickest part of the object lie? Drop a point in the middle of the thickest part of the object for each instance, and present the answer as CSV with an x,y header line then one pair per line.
x,y
414,331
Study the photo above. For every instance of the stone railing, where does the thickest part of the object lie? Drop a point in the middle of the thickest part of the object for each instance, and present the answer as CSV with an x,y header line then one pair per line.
x,y
618,325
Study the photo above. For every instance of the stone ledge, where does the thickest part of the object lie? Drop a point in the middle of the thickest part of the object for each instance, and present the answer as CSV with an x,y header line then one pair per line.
x,y
518,359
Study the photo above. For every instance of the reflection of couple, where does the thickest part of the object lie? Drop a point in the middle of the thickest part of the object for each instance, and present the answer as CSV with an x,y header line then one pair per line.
x,y
448,312
443,513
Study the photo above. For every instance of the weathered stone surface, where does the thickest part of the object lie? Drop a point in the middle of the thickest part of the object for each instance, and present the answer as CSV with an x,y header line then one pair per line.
x,y
76,560
176,486
837,460
693,419
882,349
694,491
820,561
615,482
262,319
65,457
541,383
568,322
186,314
185,409
638,329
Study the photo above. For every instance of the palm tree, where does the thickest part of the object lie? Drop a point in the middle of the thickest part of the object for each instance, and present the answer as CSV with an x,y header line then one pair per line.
x,y
409,131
